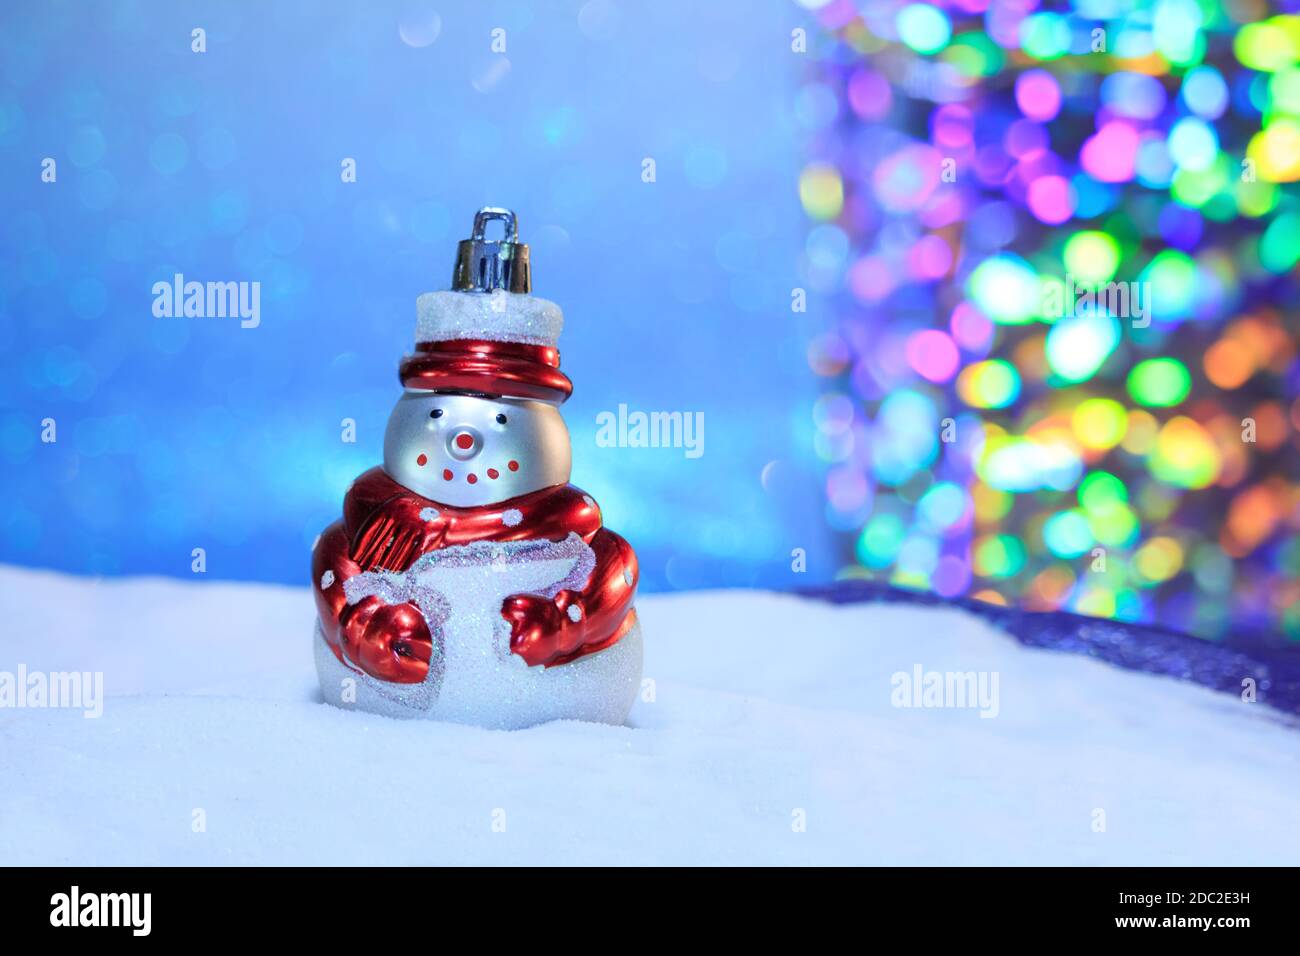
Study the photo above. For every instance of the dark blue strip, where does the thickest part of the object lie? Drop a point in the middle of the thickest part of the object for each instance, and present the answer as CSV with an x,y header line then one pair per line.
x,y
1222,666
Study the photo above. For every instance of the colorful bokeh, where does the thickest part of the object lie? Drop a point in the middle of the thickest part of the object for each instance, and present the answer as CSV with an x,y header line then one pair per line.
x,y
1065,311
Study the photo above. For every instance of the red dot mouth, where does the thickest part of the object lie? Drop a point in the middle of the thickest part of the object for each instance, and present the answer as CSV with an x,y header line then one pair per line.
x,y
513,466
446,474
493,473
471,478
422,460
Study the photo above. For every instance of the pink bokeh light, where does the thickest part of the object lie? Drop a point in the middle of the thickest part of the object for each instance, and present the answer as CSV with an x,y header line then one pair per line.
x,y
929,258
972,329
933,355
870,95
1110,155
871,279
1038,95
1052,199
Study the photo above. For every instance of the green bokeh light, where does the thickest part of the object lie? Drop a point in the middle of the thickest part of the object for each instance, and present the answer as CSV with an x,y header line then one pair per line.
x,y
1159,382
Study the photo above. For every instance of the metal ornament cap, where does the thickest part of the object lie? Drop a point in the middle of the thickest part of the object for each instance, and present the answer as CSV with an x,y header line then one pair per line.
x,y
486,265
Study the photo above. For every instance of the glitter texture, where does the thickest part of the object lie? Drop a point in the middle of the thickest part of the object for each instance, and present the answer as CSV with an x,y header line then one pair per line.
x,y
473,676
429,514
326,580
495,317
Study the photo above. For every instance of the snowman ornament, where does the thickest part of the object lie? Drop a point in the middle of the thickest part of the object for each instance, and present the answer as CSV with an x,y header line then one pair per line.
x,y
467,579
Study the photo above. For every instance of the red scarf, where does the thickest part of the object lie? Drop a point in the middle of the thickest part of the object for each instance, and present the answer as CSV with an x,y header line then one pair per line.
x,y
388,527
391,526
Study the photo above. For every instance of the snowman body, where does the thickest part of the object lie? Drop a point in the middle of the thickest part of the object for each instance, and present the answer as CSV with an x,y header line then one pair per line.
x,y
473,676
468,581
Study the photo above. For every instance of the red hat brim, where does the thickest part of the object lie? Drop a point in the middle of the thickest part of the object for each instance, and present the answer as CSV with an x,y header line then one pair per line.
x,y
513,369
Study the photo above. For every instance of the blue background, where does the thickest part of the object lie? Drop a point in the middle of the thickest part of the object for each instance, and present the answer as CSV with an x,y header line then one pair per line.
x,y
225,166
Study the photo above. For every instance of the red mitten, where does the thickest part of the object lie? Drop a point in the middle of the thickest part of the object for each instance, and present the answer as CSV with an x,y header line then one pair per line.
x,y
538,628
388,641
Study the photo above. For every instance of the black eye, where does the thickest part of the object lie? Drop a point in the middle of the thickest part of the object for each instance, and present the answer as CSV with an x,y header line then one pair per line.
x,y
436,413
501,419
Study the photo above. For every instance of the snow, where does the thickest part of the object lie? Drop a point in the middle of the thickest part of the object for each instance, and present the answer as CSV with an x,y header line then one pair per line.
x,y
769,735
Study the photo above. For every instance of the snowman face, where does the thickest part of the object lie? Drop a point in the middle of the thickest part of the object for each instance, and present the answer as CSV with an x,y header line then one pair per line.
x,y
465,450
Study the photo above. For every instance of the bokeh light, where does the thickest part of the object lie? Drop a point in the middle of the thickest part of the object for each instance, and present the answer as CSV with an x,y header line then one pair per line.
x,y
1076,256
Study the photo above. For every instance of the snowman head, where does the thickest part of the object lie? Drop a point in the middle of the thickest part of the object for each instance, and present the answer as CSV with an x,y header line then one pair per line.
x,y
465,449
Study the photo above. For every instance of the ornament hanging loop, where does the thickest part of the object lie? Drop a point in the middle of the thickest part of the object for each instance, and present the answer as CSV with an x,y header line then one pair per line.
x,y
490,214
486,265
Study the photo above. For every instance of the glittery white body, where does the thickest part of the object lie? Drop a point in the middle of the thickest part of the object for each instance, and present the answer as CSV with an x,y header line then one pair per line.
x,y
473,676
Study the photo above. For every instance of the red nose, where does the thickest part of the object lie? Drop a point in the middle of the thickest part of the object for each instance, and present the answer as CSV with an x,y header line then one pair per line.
x,y
464,440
